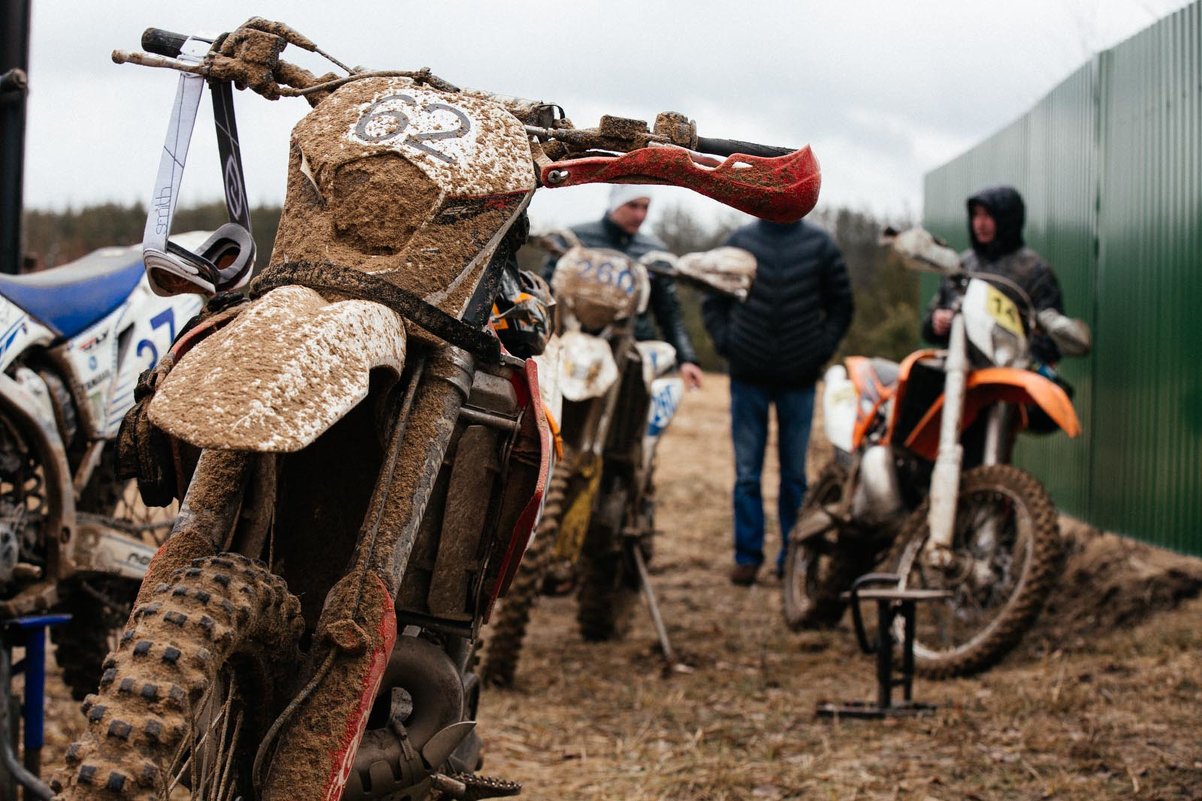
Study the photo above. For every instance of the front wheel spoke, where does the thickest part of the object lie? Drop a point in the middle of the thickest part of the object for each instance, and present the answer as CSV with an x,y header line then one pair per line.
x,y
225,787
188,754
229,744
214,757
941,619
180,762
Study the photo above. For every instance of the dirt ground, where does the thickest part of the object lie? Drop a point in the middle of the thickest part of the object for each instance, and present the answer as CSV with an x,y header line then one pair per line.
x,y
1102,700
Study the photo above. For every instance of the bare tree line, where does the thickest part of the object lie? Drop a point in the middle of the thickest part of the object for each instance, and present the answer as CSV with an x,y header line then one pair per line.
x,y
887,302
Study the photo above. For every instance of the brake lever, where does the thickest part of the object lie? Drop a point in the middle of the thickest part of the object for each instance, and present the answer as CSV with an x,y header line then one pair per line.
x,y
161,62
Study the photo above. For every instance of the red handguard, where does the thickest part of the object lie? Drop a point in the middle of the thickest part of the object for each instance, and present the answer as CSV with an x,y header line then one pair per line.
x,y
782,189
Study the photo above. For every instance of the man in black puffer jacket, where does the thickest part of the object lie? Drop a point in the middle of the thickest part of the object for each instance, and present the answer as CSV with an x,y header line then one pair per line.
x,y
777,342
995,226
619,230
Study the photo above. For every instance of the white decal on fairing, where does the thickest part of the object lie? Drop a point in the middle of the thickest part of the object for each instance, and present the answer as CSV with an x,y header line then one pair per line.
x,y
469,146
666,394
152,323
18,331
658,358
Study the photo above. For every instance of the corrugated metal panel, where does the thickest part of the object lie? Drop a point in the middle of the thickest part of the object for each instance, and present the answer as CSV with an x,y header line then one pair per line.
x,y
1061,194
1110,164
1061,203
1148,403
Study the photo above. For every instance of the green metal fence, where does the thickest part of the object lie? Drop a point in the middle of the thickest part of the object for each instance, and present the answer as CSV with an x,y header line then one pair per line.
x,y
1110,164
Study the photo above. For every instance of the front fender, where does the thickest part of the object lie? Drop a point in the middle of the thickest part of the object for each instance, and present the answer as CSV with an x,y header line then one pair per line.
x,y
1023,387
587,368
993,385
281,373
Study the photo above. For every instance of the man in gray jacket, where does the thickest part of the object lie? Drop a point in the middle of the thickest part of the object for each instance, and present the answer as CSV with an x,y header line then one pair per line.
x,y
777,342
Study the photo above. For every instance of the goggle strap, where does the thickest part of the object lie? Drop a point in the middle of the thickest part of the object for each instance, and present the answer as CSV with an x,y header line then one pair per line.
x,y
175,151
156,247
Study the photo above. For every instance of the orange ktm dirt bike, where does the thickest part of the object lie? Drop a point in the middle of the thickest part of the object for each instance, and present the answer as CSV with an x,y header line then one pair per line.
x,y
361,461
619,395
922,475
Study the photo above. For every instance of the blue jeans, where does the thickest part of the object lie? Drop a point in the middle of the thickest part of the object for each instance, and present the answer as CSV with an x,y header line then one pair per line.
x,y
749,427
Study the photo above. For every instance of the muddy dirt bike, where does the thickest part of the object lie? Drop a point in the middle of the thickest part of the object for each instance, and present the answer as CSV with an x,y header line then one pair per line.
x,y
362,461
618,399
73,538
922,478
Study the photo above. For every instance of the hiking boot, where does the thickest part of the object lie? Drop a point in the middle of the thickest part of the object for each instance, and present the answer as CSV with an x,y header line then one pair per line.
x,y
744,575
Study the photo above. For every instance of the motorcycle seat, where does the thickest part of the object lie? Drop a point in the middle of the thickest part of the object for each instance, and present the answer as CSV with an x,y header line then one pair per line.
x,y
886,372
69,298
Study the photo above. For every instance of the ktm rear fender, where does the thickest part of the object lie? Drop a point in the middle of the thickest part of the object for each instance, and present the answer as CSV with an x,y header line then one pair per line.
x,y
997,385
279,374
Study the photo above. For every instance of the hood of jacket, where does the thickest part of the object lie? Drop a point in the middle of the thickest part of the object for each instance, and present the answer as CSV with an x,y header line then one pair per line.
x,y
1005,206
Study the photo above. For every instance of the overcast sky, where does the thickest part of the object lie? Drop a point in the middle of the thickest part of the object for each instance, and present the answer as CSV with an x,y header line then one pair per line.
x,y
883,91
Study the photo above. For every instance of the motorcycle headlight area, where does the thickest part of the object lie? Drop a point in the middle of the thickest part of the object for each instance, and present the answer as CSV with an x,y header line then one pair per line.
x,y
599,286
1008,349
378,202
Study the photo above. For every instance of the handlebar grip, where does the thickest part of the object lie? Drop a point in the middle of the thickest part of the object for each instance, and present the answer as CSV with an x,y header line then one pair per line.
x,y
728,147
15,80
164,43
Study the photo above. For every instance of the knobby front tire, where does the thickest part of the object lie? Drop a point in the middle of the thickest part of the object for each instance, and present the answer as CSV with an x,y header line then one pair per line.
x,y
1007,555
817,570
191,689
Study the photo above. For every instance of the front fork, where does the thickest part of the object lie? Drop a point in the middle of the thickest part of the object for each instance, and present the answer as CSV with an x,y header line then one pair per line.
x,y
357,628
996,451
358,623
945,479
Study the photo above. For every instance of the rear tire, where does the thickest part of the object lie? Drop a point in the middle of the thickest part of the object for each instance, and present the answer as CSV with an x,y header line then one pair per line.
x,y
603,610
505,643
99,607
1007,555
212,652
818,568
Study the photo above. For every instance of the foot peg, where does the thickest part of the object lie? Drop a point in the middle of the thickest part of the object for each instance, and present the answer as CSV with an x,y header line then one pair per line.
x,y
470,787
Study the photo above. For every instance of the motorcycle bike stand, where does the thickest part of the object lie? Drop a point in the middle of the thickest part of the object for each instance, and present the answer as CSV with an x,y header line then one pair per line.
x,y
29,633
657,619
891,602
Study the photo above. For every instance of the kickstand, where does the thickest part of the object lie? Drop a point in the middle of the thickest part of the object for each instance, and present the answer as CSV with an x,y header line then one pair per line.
x,y
661,631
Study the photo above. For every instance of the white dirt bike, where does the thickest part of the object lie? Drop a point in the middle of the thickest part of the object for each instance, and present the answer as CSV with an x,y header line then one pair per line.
x,y
618,398
73,538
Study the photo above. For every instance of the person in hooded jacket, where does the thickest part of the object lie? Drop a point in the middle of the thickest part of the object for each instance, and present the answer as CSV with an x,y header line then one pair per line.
x,y
995,226
618,230
776,343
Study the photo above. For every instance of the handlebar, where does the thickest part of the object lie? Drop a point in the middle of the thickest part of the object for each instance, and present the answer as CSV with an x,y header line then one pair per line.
x,y
728,147
168,44
163,43
15,81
